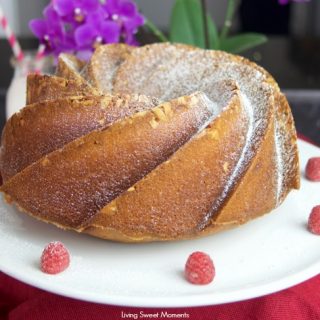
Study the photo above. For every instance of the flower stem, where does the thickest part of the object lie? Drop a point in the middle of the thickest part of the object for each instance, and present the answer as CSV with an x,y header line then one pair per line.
x,y
228,19
205,24
156,31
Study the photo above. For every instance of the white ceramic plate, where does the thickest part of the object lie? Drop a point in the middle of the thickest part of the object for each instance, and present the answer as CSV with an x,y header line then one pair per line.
x,y
266,255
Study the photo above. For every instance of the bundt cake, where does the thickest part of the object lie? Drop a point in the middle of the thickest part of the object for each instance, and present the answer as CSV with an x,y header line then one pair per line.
x,y
161,142
100,70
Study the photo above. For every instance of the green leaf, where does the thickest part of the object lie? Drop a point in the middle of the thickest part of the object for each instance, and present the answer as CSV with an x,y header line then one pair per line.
x,y
186,25
213,34
242,42
155,31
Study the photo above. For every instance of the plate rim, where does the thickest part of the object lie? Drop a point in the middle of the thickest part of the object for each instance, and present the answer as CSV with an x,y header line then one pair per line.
x,y
190,300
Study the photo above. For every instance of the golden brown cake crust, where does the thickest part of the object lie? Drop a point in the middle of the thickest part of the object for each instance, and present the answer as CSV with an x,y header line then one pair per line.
x,y
162,174
177,199
91,171
44,88
191,68
43,127
245,202
70,67
103,65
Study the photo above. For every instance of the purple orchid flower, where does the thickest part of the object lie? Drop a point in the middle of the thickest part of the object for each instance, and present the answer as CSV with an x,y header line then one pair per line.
x,y
78,26
75,10
50,32
97,30
126,13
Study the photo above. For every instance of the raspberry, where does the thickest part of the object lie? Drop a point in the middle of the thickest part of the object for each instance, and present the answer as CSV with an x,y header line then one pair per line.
x,y
199,268
313,169
314,220
55,258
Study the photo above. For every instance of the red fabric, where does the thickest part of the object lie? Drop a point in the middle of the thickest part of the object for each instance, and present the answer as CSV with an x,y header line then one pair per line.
x,y
302,137
20,301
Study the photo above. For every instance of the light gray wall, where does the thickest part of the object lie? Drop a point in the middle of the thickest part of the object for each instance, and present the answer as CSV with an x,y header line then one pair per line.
x,y
157,11
19,12
10,9
29,9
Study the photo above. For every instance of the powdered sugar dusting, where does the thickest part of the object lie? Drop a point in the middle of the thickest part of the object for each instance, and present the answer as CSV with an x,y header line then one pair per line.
x,y
187,71
245,154
243,159
136,72
99,72
279,161
287,157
